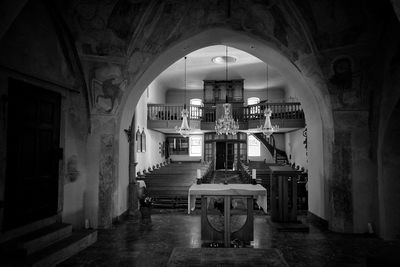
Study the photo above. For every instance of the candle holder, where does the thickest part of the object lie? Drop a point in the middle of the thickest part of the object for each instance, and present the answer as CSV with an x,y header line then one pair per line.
x,y
198,181
253,176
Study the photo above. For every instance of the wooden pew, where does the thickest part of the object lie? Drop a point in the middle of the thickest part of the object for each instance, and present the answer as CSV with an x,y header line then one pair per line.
x,y
169,185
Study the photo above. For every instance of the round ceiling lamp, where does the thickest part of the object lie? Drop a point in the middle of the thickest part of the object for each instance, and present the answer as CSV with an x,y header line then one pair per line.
x,y
223,59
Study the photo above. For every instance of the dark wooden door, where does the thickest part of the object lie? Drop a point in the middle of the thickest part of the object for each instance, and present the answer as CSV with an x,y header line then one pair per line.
x,y
33,137
220,155
230,153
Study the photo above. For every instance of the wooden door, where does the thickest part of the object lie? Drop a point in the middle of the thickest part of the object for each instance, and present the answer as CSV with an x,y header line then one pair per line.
x,y
230,155
33,137
220,155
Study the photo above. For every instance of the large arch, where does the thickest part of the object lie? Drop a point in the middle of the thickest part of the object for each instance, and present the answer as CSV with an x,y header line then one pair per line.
x,y
389,179
304,75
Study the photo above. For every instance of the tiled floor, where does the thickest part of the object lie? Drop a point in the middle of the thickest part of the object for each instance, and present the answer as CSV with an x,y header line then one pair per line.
x,y
132,244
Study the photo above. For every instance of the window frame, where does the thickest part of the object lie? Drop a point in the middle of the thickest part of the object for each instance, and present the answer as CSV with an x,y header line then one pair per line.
x,y
200,137
256,109
249,146
251,98
196,99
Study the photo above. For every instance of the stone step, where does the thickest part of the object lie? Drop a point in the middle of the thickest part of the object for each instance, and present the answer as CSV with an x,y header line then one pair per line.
x,y
15,233
44,237
63,249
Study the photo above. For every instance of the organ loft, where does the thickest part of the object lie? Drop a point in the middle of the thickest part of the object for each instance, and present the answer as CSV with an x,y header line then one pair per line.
x,y
197,133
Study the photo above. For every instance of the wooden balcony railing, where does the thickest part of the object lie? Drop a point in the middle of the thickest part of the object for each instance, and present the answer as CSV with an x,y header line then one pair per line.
x,y
279,111
284,111
167,112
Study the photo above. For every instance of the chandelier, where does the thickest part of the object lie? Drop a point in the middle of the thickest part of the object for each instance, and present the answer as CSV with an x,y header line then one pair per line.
x,y
226,124
184,130
267,129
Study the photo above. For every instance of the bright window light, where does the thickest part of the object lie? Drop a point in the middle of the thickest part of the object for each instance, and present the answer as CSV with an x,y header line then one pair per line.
x,y
253,101
253,146
196,102
196,145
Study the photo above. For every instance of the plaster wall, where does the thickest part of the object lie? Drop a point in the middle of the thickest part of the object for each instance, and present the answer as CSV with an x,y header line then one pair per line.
x,y
279,141
387,84
75,177
320,138
264,155
275,95
152,156
175,96
295,148
390,179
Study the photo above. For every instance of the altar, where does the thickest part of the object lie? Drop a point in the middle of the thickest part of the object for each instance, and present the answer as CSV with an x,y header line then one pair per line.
x,y
231,196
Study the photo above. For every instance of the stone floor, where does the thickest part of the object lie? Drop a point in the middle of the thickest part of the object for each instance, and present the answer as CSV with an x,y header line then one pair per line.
x,y
130,243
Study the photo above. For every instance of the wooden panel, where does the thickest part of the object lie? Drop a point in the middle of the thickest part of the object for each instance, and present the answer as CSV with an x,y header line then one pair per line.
x,y
31,190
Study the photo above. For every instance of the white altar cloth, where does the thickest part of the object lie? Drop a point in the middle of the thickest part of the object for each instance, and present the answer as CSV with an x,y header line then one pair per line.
x,y
257,191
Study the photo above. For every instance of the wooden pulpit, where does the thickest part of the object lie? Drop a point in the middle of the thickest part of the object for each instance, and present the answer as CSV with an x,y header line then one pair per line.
x,y
283,194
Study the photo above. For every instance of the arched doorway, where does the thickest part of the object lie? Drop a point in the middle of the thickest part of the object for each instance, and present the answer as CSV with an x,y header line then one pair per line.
x,y
311,91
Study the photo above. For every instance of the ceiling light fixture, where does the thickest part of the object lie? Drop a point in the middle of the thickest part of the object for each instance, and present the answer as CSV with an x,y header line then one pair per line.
x,y
184,130
267,129
223,59
226,124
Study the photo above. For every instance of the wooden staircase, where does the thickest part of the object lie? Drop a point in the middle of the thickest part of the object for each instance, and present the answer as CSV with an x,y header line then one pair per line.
x,y
279,155
46,244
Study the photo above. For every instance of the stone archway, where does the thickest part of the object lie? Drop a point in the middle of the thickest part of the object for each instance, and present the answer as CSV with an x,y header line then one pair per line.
x,y
304,76
389,179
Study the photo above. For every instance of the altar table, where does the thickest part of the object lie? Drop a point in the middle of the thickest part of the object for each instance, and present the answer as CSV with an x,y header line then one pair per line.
x,y
228,191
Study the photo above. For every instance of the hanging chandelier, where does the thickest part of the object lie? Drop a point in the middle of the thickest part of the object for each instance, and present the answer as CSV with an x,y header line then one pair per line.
x,y
226,124
267,129
184,130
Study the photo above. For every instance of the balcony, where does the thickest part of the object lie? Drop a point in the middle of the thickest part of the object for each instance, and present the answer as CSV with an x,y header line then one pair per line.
x,y
164,117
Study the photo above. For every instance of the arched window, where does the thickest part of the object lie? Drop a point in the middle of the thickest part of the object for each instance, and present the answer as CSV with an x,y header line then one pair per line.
x,y
253,146
195,108
253,101
196,102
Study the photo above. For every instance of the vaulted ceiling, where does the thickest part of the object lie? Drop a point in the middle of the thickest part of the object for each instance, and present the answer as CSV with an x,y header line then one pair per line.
x,y
200,66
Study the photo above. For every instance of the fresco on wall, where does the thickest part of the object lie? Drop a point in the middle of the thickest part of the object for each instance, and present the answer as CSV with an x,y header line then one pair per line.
x,y
91,18
107,183
347,83
72,169
107,87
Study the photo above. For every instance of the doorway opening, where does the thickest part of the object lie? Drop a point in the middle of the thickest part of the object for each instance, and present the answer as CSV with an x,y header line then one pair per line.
x,y
33,154
225,156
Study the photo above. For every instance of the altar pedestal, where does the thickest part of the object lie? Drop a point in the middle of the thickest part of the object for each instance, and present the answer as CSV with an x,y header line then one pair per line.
x,y
227,192
283,194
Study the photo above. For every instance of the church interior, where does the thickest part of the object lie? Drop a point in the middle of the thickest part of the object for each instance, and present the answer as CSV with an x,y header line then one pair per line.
x,y
194,133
